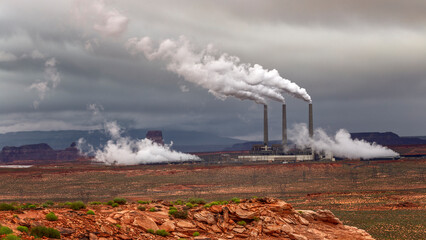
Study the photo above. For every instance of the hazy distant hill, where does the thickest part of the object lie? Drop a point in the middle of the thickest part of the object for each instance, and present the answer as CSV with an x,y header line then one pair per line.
x,y
386,138
188,141
421,137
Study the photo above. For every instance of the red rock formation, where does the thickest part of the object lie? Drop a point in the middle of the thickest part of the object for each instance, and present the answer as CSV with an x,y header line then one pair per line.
x,y
155,136
39,153
265,218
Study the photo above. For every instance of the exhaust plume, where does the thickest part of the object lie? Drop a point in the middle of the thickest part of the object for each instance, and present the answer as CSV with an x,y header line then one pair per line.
x,y
104,19
222,75
125,151
341,145
51,81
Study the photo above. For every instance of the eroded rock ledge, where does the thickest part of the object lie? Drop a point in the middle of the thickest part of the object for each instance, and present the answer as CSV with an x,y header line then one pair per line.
x,y
262,218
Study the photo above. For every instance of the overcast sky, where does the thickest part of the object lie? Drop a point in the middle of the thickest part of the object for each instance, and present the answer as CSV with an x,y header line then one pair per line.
x,y
64,64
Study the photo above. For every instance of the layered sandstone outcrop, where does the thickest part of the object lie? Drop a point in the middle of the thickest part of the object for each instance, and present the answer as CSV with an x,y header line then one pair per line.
x,y
264,218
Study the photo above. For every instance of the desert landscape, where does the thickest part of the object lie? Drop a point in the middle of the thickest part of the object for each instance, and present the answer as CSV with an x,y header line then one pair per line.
x,y
385,198
212,120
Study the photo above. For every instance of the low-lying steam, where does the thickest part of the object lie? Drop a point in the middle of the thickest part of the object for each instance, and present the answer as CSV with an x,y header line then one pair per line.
x,y
341,145
126,151
222,75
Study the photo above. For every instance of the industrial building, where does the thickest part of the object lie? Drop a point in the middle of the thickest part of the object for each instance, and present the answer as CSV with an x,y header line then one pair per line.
x,y
280,152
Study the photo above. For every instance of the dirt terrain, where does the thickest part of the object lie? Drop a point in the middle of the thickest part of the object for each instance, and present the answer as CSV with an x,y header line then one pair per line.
x,y
386,198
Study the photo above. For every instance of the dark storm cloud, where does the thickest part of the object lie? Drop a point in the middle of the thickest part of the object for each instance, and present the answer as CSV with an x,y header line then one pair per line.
x,y
361,61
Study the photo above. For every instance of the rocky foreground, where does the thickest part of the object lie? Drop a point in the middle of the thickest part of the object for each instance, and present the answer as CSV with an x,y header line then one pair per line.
x,y
262,218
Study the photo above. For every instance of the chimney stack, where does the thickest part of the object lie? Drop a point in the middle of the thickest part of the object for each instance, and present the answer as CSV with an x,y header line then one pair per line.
x,y
265,125
311,122
284,127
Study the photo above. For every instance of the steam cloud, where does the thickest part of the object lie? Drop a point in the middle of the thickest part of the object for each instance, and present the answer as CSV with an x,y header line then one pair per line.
x,y
7,57
341,145
51,81
223,76
96,109
125,151
106,20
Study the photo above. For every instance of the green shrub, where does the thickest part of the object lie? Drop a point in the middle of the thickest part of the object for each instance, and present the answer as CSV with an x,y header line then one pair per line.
x,y
42,231
162,233
77,205
177,202
153,209
11,237
144,202
95,203
110,202
197,201
6,207
114,205
179,214
242,223
142,208
60,205
189,205
49,203
22,229
172,211
120,201
235,200
255,218
149,230
51,216
196,234
68,204
215,203
5,230
118,225
90,212
25,206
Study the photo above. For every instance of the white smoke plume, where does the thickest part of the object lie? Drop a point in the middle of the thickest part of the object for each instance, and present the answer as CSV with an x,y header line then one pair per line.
x,y
222,75
95,109
341,145
125,151
35,54
104,19
51,81
7,57
184,88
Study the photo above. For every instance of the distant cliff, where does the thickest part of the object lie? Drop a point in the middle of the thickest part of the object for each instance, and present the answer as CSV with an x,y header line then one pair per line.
x,y
387,138
38,152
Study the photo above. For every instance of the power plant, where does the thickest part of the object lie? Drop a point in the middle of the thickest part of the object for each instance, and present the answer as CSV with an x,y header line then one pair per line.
x,y
281,152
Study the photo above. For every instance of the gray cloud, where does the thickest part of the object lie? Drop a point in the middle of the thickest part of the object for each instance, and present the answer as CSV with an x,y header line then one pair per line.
x,y
361,61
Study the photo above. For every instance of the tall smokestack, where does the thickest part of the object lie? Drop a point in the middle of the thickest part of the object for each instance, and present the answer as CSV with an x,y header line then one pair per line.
x,y
284,128
311,121
265,125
